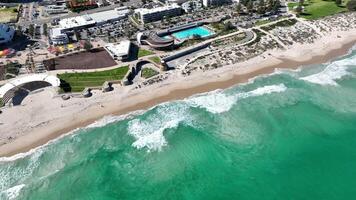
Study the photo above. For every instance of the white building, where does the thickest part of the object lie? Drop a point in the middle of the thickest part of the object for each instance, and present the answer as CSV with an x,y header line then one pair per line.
x,y
207,3
93,19
55,9
119,51
110,15
6,33
191,6
146,15
76,22
58,36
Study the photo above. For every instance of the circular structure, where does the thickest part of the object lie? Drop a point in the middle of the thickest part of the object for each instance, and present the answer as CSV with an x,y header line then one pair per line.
x,y
6,33
27,83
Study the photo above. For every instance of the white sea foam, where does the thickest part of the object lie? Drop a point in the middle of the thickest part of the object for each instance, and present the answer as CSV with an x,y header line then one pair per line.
x,y
334,71
12,192
214,102
111,119
218,102
149,132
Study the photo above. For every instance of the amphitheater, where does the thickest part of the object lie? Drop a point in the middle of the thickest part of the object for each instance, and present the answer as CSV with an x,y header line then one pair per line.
x,y
17,89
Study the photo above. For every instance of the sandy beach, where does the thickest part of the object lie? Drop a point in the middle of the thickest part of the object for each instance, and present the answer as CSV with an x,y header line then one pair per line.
x,y
45,116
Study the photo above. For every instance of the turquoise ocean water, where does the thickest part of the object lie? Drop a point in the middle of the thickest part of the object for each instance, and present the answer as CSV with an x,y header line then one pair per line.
x,y
289,135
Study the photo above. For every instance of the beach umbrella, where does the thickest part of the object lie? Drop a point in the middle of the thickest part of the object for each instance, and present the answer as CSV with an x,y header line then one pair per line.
x,y
6,52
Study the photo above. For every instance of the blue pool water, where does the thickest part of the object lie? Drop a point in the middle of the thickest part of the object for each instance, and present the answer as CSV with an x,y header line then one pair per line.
x,y
187,33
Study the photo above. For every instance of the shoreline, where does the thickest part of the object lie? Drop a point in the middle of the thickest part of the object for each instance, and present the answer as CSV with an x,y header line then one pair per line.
x,y
127,100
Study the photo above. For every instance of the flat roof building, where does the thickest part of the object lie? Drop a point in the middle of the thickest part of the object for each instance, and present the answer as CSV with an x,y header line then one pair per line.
x,y
89,20
120,51
76,22
110,15
58,37
146,15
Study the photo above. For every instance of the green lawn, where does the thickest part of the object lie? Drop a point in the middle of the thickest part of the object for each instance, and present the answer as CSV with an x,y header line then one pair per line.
x,y
148,73
315,9
8,14
144,52
76,82
155,59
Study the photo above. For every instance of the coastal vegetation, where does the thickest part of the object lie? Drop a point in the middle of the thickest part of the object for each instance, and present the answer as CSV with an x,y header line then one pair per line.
x,y
76,82
315,9
144,52
148,73
155,59
284,23
351,5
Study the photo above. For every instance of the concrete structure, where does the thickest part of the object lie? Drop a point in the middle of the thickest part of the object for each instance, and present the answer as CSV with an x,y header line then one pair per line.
x,y
55,9
146,15
6,33
119,51
76,22
207,3
110,15
32,82
58,37
191,6
89,20
154,41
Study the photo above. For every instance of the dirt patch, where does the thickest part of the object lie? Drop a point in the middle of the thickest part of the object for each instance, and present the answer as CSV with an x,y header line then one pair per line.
x,y
94,59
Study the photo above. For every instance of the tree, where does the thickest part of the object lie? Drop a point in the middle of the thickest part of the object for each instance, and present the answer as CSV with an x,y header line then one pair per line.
x,y
238,8
228,26
31,30
276,5
87,45
45,29
351,5
261,7
249,6
338,2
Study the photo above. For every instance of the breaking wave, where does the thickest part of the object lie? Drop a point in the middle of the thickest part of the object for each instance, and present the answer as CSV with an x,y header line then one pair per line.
x,y
334,71
149,132
218,102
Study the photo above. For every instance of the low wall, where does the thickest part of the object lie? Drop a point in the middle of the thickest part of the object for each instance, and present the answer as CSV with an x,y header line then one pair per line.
x,y
185,51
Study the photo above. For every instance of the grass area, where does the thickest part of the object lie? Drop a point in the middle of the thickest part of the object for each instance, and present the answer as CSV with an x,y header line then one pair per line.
x,y
155,59
262,22
217,26
76,82
314,9
230,40
8,14
284,23
148,73
220,28
144,52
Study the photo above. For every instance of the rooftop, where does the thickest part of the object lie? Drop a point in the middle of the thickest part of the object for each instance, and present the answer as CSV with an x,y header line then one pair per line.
x,y
76,22
158,9
121,49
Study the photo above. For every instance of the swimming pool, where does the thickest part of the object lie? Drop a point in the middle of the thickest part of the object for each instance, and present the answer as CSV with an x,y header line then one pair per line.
x,y
187,33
